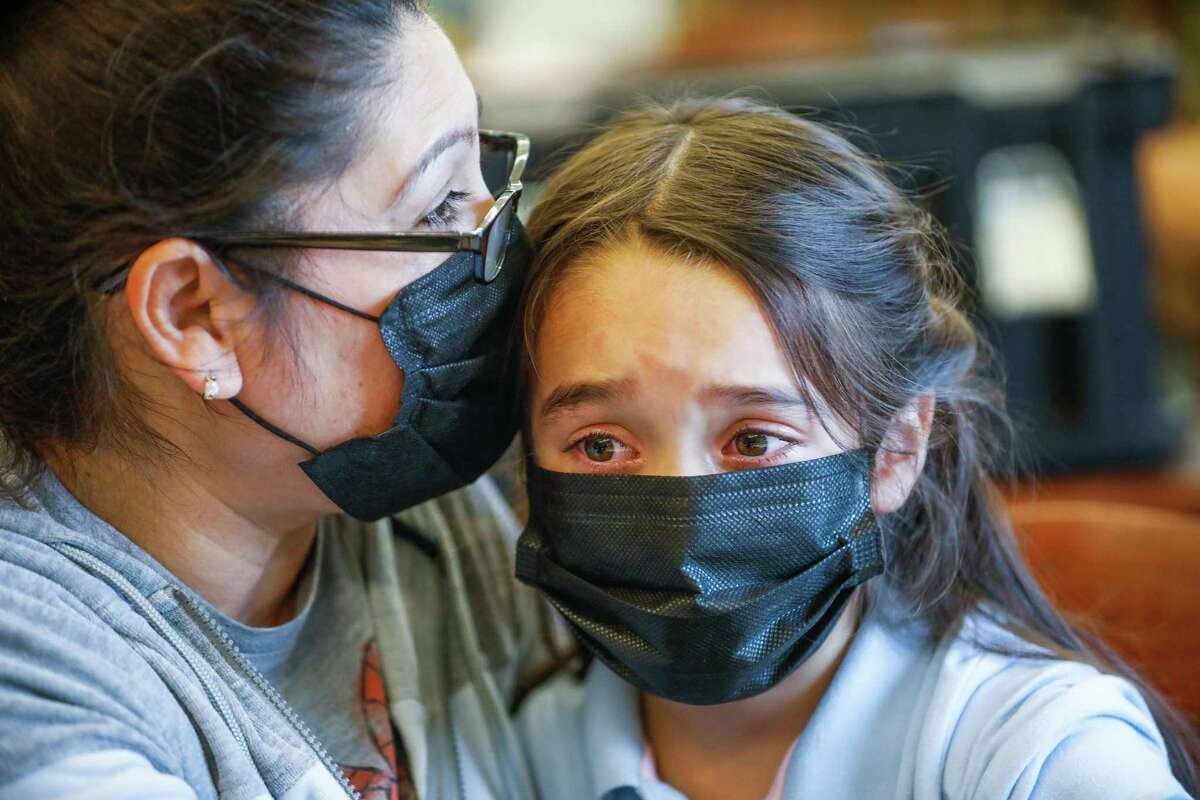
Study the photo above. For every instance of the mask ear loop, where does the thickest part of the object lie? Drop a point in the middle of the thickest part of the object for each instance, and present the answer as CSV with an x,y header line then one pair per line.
x,y
295,287
275,429
238,404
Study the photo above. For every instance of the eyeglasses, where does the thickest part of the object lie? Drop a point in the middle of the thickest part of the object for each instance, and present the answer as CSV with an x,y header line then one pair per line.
x,y
489,241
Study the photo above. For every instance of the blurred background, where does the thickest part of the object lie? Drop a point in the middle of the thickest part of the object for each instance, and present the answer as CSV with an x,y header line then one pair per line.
x,y
1062,138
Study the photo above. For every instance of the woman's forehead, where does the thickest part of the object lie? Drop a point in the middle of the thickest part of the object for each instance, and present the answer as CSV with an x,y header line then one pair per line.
x,y
432,105
434,93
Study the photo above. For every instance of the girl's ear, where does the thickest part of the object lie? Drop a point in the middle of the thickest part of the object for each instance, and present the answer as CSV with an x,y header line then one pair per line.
x,y
187,311
901,456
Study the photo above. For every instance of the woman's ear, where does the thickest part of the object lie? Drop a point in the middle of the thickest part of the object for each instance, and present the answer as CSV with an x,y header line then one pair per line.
x,y
901,456
189,312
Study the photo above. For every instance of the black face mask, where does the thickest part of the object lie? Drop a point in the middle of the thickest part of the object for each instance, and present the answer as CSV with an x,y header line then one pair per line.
x,y
450,335
703,589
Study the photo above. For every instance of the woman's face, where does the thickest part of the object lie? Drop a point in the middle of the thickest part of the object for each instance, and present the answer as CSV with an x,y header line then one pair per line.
x,y
329,377
419,170
651,365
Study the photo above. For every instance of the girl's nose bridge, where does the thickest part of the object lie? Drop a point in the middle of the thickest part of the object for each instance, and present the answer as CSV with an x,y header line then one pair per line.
x,y
681,457
680,445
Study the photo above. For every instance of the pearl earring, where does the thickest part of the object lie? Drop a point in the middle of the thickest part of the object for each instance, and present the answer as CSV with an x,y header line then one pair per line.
x,y
211,387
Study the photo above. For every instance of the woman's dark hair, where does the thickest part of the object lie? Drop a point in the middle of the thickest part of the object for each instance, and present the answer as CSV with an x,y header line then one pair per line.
x,y
859,286
128,121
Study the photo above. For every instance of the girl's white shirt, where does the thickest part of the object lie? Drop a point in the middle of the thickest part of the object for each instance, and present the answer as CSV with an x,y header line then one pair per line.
x,y
903,718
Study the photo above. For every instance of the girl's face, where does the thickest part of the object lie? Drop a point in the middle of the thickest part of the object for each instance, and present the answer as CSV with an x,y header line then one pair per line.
x,y
651,365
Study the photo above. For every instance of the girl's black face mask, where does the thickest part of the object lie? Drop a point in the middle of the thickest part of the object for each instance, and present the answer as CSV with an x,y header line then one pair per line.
x,y
703,589
449,334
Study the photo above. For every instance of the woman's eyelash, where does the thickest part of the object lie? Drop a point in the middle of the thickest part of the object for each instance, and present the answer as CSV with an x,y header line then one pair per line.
x,y
447,211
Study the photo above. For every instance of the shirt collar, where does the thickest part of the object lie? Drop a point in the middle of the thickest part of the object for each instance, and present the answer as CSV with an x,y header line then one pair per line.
x,y
876,661
612,735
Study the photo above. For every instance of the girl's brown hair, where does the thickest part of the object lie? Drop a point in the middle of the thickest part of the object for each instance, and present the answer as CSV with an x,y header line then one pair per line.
x,y
859,286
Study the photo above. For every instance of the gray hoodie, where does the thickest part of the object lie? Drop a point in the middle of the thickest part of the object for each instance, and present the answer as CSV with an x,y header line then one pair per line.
x,y
117,681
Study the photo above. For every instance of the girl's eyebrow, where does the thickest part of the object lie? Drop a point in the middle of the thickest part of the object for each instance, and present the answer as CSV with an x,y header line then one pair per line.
x,y
752,396
570,396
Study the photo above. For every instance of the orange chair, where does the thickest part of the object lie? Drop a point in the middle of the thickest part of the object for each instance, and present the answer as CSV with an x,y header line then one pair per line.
x,y
1174,490
1130,574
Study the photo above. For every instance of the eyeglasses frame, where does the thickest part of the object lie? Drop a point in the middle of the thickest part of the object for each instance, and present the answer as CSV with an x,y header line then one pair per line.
x,y
475,241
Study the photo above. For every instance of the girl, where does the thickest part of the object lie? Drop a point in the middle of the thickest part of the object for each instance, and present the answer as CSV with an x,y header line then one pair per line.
x,y
762,435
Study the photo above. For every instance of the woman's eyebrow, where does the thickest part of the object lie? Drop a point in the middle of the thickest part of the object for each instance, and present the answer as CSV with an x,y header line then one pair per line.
x,y
570,396
431,155
728,395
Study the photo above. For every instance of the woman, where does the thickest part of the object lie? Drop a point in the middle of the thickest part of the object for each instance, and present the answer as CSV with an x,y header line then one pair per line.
x,y
762,433
180,616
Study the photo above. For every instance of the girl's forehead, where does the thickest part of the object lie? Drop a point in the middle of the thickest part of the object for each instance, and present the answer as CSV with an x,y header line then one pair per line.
x,y
633,313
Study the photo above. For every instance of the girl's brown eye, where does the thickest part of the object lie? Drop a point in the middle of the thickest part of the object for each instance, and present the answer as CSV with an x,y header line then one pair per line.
x,y
752,445
600,448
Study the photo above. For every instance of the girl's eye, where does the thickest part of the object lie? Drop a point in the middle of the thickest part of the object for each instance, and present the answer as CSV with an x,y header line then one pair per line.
x,y
759,446
446,212
602,449
599,448
752,444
